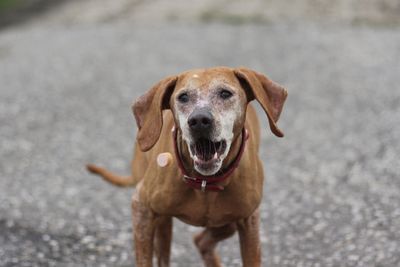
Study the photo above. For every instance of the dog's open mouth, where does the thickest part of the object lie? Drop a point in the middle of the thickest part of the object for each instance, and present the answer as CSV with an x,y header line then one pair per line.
x,y
206,152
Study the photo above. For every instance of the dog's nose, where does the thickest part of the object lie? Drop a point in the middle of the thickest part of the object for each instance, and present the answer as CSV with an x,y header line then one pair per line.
x,y
200,120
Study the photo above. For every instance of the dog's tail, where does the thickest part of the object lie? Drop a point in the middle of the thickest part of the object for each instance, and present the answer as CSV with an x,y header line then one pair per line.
x,y
118,180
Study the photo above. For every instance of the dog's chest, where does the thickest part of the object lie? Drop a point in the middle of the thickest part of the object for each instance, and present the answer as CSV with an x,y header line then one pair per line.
x,y
206,208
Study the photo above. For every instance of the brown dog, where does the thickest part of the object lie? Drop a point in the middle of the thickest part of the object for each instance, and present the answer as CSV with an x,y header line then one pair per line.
x,y
203,118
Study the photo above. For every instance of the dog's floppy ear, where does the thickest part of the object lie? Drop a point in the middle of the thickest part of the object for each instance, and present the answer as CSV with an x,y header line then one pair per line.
x,y
269,94
148,112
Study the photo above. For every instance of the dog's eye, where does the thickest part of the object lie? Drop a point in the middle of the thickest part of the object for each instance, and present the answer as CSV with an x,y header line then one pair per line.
x,y
183,98
225,94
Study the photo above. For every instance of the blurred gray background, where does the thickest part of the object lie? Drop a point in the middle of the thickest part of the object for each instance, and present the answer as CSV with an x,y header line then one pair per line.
x,y
69,71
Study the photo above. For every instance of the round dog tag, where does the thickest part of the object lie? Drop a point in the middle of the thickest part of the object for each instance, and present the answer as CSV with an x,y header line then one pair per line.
x,y
164,159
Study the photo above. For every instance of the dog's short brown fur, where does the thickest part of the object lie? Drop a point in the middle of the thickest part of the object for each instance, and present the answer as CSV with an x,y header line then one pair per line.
x,y
161,194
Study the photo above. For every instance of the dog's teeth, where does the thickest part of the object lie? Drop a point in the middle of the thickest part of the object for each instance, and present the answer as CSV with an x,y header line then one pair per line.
x,y
215,155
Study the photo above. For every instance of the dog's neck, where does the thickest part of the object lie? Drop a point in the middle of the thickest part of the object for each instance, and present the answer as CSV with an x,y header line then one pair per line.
x,y
183,153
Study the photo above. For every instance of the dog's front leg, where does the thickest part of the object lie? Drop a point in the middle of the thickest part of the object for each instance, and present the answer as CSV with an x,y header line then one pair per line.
x,y
162,241
250,246
144,225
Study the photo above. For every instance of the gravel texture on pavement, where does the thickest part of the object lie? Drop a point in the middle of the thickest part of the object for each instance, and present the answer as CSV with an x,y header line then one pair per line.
x,y
332,189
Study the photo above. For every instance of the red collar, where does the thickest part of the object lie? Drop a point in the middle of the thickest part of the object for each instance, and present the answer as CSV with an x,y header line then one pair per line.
x,y
205,183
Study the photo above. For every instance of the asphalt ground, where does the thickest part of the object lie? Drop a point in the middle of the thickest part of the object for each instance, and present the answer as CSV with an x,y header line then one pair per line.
x,y
332,189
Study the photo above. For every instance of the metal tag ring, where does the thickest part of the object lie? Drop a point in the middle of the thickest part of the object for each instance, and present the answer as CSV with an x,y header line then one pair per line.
x,y
203,185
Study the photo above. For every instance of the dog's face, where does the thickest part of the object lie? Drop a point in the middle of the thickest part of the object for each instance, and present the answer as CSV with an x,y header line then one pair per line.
x,y
209,108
